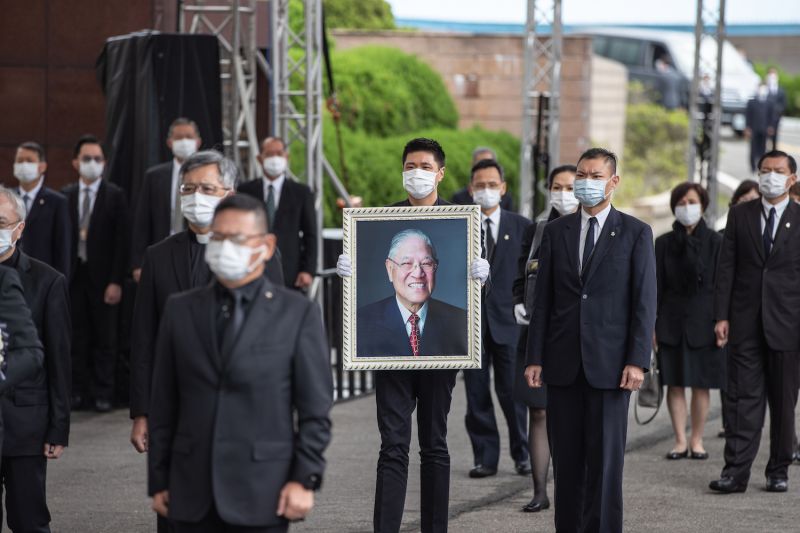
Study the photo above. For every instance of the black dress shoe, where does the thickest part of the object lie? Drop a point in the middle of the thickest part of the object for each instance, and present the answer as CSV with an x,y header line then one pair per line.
x,y
523,468
698,455
673,455
777,485
727,485
102,406
482,471
536,506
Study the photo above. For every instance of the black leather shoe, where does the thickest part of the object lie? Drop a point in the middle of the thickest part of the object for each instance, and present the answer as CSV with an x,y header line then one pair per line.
x,y
536,506
102,406
482,471
727,485
673,456
777,485
523,468
698,455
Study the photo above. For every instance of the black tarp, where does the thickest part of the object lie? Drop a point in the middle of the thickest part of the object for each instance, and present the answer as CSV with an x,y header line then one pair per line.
x,y
149,79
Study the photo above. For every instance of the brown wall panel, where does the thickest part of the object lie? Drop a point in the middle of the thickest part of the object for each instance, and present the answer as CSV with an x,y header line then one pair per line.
x,y
22,104
23,32
75,105
59,167
6,162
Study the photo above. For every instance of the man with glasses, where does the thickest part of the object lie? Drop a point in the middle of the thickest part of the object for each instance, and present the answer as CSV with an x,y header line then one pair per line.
x,y
174,265
502,240
242,389
100,244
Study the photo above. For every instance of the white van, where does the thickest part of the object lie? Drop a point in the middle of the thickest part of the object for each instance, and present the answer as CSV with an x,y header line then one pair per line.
x,y
638,50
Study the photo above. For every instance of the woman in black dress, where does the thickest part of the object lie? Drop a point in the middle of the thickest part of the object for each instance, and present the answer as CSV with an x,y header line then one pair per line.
x,y
687,352
562,202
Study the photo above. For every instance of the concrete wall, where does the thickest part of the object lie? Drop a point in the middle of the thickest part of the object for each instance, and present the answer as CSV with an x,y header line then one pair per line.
x,y
783,50
609,96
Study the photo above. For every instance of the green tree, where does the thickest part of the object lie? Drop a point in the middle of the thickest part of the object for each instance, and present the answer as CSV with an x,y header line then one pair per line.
x,y
347,14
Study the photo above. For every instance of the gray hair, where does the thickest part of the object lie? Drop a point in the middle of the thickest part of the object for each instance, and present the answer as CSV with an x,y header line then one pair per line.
x,y
15,200
183,121
398,239
227,168
483,149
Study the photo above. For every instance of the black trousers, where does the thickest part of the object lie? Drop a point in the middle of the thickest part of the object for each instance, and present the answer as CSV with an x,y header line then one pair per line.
x,y
24,480
212,523
757,377
397,394
94,338
480,420
587,429
758,147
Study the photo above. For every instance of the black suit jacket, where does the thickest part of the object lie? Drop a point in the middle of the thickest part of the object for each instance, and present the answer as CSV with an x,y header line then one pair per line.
x,y
685,268
152,219
107,244
463,197
754,291
499,302
295,226
382,332
38,409
233,428
525,249
760,115
166,270
778,99
47,230
603,321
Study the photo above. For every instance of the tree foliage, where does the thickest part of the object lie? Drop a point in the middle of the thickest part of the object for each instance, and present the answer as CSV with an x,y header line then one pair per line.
x,y
790,84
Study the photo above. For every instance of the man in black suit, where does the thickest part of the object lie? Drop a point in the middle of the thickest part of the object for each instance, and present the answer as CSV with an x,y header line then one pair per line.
x,y
590,339
411,322
158,210
399,392
502,236
36,413
778,97
464,197
757,305
47,234
759,120
242,389
290,213
100,247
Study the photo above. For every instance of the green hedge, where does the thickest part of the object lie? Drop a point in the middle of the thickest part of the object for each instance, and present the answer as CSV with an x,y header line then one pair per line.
x,y
789,82
349,14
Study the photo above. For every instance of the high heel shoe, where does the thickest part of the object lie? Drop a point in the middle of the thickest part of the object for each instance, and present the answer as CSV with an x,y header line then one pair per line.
x,y
673,455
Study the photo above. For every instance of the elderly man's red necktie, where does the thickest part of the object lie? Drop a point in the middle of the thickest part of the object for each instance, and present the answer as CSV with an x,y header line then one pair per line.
x,y
414,337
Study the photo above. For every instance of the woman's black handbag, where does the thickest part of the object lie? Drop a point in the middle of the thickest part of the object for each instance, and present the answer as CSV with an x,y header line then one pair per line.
x,y
650,394
532,269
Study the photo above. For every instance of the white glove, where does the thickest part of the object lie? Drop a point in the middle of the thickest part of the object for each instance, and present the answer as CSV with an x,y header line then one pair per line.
x,y
520,316
344,268
479,269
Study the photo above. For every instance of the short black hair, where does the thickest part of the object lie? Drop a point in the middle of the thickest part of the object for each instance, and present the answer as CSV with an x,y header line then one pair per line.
x,y
87,139
558,170
744,188
779,153
601,153
682,189
246,203
182,121
487,163
423,144
33,147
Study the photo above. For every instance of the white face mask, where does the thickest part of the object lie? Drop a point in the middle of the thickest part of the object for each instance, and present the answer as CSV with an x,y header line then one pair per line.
x,y
183,148
275,166
91,170
199,208
772,184
564,202
419,183
230,261
688,215
7,238
486,198
26,172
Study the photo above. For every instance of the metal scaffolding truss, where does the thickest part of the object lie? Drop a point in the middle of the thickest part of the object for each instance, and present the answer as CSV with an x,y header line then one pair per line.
x,y
705,110
540,97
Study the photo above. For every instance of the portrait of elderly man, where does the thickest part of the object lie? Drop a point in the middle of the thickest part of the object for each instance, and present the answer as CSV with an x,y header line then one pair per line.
x,y
411,322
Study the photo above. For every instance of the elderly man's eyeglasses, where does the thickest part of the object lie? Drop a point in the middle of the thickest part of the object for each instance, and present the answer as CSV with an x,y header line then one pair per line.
x,y
210,190
427,266
238,238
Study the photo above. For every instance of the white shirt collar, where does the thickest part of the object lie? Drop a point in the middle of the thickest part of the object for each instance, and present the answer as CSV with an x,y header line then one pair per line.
x,y
93,186
405,313
494,217
601,216
277,183
779,207
33,192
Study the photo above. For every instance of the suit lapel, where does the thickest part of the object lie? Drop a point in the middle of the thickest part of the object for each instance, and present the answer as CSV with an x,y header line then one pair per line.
x,y
98,205
606,241
753,215
259,316
181,262
204,321
501,243
396,328
786,226
164,195
572,238
33,214
284,204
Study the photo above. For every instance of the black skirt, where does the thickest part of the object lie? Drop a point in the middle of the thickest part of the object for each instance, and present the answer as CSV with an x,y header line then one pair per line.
x,y
701,368
535,398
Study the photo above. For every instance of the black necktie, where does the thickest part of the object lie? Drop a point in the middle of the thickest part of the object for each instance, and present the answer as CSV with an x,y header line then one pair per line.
x,y
489,239
588,244
234,322
768,227
271,208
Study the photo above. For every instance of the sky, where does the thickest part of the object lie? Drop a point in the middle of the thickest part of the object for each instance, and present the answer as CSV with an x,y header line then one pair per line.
x,y
599,11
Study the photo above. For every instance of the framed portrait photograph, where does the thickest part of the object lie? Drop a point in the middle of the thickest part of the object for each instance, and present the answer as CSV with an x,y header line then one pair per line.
x,y
410,302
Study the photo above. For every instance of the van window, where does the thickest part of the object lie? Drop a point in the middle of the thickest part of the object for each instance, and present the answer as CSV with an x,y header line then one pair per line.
x,y
626,51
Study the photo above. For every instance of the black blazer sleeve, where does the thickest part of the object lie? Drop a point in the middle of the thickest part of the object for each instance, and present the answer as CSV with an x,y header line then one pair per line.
x,y
62,238
57,332
308,225
542,301
312,388
24,353
726,269
122,238
661,244
144,328
643,300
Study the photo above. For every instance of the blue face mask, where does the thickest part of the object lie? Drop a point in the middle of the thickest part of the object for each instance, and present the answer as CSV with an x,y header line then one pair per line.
x,y
590,192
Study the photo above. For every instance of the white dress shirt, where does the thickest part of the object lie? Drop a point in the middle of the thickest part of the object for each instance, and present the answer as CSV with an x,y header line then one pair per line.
x,y
277,187
93,187
406,314
495,225
598,229
779,209
32,195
